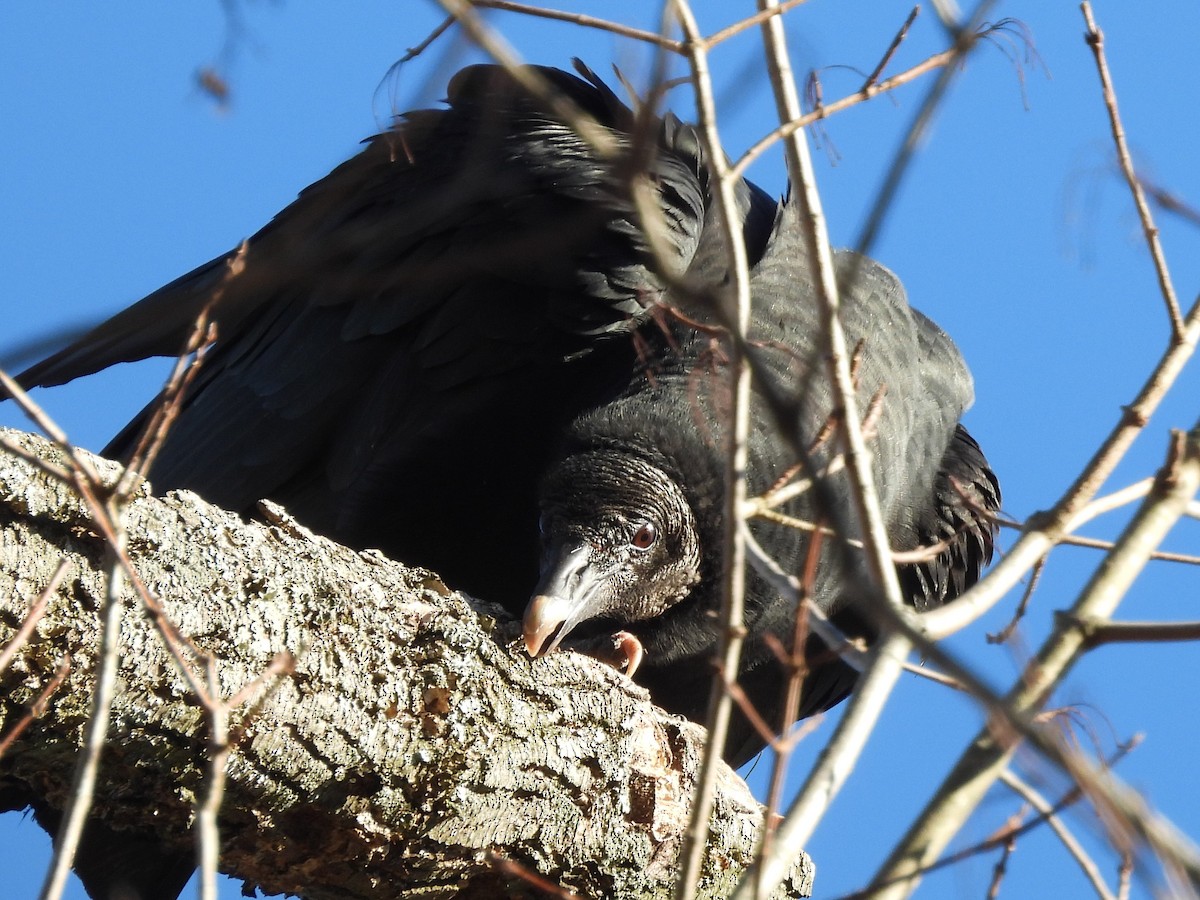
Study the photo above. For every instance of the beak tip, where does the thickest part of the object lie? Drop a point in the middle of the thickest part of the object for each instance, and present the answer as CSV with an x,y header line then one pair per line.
x,y
540,625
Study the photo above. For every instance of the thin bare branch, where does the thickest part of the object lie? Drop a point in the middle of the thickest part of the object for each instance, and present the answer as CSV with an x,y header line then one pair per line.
x,y
873,78
530,80
170,401
413,52
964,41
55,471
923,671
1098,631
797,666
1170,202
1035,575
949,15
1110,502
208,842
32,410
187,366
750,21
543,886
1095,40
731,629
1073,847
832,768
1125,876
1001,868
988,754
38,708
36,610
888,656
790,588
83,785
49,427
1003,834
824,111
1044,531
1079,540
637,34
838,355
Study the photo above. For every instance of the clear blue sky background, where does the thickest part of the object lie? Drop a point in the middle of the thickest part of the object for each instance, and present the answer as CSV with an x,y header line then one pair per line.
x,y
117,173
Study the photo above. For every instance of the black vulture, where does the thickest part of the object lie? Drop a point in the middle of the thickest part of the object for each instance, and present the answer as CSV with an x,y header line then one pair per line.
x,y
461,332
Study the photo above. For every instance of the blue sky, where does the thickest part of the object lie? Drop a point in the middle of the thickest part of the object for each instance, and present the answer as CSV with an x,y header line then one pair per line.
x,y
117,174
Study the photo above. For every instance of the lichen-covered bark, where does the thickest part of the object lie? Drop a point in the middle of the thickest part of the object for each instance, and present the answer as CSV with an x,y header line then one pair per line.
x,y
409,740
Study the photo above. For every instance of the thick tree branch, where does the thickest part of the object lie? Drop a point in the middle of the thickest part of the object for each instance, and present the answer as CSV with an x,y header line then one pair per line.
x,y
406,747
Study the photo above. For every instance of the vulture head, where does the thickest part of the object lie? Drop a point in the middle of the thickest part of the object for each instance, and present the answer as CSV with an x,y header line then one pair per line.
x,y
620,542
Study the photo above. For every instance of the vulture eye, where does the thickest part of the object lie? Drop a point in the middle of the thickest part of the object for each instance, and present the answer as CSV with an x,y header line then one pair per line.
x,y
645,536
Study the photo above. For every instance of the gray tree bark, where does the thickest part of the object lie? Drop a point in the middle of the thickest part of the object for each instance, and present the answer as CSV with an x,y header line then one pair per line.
x,y
410,739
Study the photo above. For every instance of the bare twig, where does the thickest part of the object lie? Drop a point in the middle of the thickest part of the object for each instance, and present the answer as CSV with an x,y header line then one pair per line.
x,y
796,665
750,21
56,472
790,588
873,78
1169,202
1091,543
187,366
83,785
530,80
1001,868
1125,876
1035,575
837,357
1098,632
208,844
1073,847
543,886
413,52
733,544
1110,502
981,764
36,610
108,515
155,432
833,767
1044,531
824,111
923,671
617,28
221,741
965,39
49,428
1095,40
38,708
887,658
998,837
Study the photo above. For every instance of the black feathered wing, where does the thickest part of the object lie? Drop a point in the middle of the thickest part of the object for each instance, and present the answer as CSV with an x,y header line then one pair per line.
x,y
417,325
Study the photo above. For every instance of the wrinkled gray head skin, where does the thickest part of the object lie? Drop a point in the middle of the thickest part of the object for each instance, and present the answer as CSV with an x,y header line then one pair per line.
x,y
618,539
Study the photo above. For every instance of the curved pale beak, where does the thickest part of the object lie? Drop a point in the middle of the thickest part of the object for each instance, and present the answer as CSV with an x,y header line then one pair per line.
x,y
574,587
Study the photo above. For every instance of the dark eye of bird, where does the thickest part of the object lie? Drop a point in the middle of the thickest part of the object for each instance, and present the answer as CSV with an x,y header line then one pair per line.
x,y
645,536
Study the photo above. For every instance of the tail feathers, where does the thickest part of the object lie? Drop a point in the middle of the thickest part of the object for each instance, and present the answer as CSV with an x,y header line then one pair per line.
x,y
966,498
